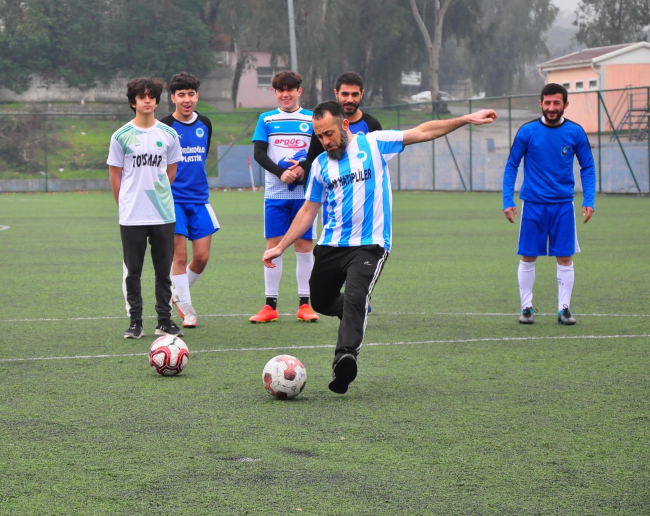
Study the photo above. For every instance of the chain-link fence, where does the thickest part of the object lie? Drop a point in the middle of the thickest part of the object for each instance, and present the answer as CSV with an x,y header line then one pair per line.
x,y
51,147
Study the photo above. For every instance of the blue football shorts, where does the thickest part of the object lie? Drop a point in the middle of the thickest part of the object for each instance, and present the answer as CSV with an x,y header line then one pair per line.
x,y
195,221
548,229
278,216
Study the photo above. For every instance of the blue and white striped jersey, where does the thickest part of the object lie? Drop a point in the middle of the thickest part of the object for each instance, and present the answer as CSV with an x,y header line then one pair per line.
x,y
357,188
285,133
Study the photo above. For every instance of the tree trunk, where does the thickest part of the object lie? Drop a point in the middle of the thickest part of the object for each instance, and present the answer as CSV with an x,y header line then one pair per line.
x,y
433,47
239,70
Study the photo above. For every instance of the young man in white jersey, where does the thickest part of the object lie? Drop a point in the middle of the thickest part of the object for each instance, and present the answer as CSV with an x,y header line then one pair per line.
x,y
352,174
281,134
142,161
195,218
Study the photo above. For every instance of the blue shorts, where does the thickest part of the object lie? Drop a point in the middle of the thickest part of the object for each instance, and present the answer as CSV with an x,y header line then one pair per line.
x,y
195,221
278,216
552,224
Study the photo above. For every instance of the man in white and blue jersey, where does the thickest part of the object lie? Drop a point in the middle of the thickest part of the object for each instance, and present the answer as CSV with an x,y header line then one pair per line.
x,y
195,218
281,134
352,174
548,146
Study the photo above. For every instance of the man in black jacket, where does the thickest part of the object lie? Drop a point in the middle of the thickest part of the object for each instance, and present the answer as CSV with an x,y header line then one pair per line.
x,y
348,92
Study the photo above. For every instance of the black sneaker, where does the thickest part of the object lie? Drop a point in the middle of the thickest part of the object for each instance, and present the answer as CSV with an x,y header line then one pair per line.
x,y
527,315
564,316
168,328
134,331
344,371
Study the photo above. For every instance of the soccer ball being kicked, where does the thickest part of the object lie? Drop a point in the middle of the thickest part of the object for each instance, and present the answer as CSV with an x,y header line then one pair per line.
x,y
284,377
168,355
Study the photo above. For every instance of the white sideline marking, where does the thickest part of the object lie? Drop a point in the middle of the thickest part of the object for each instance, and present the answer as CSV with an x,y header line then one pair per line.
x,y
324,346
2,228
473,314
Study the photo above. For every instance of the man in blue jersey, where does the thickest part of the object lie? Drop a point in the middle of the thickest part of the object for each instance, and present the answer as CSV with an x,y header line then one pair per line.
x,y
352,174
195,218
281,134
548,146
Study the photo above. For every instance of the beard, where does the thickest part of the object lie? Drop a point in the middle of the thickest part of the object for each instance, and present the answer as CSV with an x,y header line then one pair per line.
x,y
337,154
560,114
350,106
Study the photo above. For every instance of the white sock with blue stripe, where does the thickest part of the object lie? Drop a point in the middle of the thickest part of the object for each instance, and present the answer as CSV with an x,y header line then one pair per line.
x,y
526,276
565,277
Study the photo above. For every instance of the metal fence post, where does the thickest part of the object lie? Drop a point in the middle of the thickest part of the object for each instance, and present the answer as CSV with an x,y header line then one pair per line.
x,y
399,156
47,173
600,154
433,152
471,178
510,120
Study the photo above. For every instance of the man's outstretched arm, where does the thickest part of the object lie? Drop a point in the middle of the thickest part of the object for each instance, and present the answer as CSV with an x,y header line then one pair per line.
x,y
436,128
301,223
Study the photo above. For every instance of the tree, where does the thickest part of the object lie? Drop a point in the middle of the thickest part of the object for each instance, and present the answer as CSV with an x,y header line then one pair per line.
x,y
510,36
611,22
86,41
170,38
433,45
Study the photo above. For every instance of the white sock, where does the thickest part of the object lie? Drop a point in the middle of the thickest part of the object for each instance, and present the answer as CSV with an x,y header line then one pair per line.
x,y
182,287
526,276
272,278
565,278
192,277
304,265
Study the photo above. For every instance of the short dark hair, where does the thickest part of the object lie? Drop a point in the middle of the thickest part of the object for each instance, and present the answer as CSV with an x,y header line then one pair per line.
x,y
329,106
142,86
349,78
184,81
286,79
552,88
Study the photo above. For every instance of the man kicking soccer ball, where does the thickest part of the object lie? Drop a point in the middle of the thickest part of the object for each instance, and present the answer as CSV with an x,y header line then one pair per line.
x,y
352,174
195,218
548,146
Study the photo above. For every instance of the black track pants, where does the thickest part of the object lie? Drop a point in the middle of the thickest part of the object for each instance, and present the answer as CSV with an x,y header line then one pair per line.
x,y
359,268
134,246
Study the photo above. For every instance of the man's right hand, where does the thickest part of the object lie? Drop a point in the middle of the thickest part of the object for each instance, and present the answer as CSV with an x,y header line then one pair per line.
x,y
270,255
511,214
288,176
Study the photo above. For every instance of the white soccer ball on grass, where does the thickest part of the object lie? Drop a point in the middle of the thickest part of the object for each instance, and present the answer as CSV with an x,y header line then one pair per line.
x,y
284,377
168,355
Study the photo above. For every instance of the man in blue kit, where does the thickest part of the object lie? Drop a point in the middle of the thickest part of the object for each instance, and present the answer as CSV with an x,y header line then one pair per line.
x,y
548,146
195,218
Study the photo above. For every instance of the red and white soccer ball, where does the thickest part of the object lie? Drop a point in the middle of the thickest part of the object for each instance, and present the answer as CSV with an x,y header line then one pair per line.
x,y
284,377
168,355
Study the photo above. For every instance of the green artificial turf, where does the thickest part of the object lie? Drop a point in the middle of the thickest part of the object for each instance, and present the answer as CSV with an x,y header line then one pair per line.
x,y
457,409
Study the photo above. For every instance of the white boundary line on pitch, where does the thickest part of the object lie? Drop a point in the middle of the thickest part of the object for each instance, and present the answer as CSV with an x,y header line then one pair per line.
x,y
473,314
2,228
325,346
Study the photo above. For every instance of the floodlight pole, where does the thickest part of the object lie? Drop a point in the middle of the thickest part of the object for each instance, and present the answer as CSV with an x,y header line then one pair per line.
x,y
292,37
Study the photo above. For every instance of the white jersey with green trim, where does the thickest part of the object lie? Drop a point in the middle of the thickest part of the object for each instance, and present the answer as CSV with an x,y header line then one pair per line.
x,y
143,154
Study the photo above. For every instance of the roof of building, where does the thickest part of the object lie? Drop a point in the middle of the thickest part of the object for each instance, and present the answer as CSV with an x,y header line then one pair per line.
x,y
591,56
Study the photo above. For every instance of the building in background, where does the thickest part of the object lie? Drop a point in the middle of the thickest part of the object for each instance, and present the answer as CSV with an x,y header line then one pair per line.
x,y
618,67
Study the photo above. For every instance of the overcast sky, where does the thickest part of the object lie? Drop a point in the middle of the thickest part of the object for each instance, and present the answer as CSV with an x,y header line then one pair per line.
x,y
567,5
